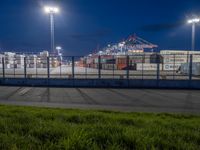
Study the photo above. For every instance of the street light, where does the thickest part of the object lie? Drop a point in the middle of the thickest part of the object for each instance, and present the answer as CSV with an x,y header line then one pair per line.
x,y
52,11
59,53
58,48
193,22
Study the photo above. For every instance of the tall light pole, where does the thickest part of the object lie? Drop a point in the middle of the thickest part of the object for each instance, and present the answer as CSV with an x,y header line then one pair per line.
x,y
193,21
52,11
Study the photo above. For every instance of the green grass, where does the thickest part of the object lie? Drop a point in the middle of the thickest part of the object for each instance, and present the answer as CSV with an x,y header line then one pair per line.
x,y
43,128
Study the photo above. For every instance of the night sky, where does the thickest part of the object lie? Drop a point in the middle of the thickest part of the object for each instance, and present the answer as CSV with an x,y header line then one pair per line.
x,y
85,25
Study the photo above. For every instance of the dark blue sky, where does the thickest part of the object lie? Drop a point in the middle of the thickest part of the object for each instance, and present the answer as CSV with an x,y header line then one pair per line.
x,y
84,25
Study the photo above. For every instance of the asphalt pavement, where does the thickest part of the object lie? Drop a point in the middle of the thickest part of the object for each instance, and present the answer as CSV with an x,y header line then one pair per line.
x,y
131,100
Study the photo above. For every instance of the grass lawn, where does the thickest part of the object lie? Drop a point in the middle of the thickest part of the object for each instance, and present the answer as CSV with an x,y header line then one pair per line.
x,y
44,128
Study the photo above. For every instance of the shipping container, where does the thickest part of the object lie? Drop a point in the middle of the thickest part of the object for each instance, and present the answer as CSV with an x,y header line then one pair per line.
x,y
109,66
185,68
171,59
174,52
150,67
171,67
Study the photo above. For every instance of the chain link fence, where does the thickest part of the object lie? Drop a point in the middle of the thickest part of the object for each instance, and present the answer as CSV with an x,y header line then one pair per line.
x,y
139,66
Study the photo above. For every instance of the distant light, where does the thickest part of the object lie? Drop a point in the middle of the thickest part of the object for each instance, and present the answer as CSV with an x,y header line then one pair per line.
x,y
53,10
58,47
194,20
122,44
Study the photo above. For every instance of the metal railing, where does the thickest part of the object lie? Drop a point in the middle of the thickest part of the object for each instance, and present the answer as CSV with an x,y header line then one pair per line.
x,y
140,66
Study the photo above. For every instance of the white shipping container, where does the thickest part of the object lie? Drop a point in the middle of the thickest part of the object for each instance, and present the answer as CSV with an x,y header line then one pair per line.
x,y
109,66
180,58
194,52
149,67
196,58
172,52
185,68
179,52
175,58
171,67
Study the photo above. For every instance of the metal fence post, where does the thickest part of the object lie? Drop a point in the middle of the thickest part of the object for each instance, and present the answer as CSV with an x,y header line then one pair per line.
x,y
174,64
127,67
190,67
85,65
14,68
73,67
36,69
143,61
48,68
60,64
113,66
158,67
3,67
99,67
25,73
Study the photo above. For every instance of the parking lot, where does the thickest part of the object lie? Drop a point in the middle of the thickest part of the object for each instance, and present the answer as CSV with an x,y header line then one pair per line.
x,y
133,100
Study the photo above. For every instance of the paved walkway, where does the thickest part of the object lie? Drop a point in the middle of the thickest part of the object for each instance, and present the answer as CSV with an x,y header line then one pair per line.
x,y
142,100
